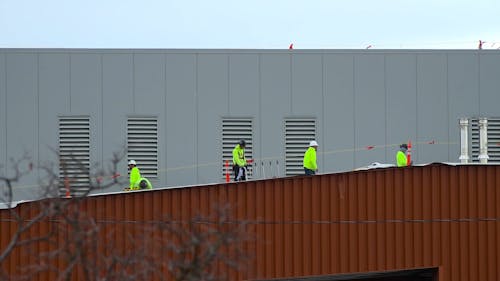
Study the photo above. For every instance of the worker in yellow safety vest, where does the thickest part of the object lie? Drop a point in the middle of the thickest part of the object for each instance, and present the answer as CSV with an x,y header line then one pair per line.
x,y
239,161
401,159
310,165
136,181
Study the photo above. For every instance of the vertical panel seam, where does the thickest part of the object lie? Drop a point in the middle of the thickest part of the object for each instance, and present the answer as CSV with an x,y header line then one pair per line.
x,y
448,105
5,111
323,107
133,82
385,106
354,108
479,82
260,104
102,107
291,84
196,117
165,123
37,108
416,103
228,84
70,76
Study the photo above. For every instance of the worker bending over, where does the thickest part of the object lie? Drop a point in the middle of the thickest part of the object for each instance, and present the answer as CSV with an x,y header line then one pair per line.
x,y
136,181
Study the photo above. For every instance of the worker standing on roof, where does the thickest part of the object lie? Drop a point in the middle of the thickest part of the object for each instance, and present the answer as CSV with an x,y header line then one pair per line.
x,y
401,160
239,161
310,165
136,181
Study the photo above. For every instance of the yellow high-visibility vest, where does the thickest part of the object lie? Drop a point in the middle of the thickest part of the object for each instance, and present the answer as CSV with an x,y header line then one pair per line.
x,y
310,159
135,176
401,159
239,156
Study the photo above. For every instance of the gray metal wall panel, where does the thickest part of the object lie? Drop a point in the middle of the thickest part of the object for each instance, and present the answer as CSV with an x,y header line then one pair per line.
x,y
307,86
22,110
369,108
401,102
85,92
271,88
212,105
3,114
54,90
489,85
86,100
432,106
338,109
118,101
463,95
307,92
181,121
244,85
149,96
275,104
149,84
244,94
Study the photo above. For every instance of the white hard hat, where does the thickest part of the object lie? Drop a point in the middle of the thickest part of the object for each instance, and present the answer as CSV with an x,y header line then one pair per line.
x,y
132,162
313,143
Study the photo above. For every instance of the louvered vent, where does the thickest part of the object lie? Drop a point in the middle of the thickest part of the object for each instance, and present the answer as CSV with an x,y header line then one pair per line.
x,y
142,144
234,130
493,139
298,134
74,155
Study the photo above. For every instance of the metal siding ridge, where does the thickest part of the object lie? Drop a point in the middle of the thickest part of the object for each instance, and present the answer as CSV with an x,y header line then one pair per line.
x,y
271,208
288,207
297,206
306,187
352,193
390,230
432,216
315,231
371,208
279,230
380,231
343,259
492,242
326,234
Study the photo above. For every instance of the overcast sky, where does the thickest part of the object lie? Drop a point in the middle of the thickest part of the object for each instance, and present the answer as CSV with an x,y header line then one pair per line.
x,y
309,24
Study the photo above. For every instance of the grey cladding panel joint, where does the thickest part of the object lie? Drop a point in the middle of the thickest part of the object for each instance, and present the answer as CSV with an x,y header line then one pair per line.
x,y
142,144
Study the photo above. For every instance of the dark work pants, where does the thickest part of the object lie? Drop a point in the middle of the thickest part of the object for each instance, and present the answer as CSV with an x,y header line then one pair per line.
x,y
309,172
236,170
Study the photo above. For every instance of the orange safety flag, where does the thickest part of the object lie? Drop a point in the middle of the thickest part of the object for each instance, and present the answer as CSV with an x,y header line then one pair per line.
x,y
227,170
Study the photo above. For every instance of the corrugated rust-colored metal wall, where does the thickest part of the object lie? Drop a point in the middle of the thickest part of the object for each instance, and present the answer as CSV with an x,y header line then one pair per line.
x,y
388,219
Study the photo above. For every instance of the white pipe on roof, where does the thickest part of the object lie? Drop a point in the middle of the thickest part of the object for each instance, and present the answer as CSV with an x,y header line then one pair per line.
x,y
483,140
464,140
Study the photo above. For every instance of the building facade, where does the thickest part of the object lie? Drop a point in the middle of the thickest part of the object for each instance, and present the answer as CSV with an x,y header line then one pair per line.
x,y
180,112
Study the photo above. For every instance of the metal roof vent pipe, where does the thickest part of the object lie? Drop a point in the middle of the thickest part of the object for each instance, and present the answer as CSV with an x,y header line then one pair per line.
x,y
483,140
464,141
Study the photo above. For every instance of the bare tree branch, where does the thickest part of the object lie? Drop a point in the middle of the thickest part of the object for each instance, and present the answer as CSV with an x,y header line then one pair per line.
x,y
182,250
48,208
